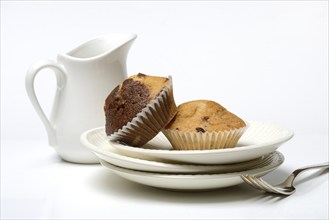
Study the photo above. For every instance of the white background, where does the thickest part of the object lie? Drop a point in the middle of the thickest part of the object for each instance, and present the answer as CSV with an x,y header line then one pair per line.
x,y
263,60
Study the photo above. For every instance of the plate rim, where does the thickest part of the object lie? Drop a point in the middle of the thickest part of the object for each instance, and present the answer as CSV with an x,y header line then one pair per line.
x,y
189,156
274,163
209,181
148,163
225,150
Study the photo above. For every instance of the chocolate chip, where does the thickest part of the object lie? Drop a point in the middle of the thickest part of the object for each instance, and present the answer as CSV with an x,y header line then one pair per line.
x,y
141,75
205,118
198,129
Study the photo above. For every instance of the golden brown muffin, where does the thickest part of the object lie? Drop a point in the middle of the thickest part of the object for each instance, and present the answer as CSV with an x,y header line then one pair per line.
x,y
204,115
204,124
138,108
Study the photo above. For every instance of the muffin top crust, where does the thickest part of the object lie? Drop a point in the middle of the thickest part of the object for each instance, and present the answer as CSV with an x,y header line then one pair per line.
x,y
204,116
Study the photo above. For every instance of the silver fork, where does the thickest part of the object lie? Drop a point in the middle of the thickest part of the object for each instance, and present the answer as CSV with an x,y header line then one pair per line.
x,y
284,188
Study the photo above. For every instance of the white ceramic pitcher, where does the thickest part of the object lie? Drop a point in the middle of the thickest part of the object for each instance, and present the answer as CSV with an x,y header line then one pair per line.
x,y
85,76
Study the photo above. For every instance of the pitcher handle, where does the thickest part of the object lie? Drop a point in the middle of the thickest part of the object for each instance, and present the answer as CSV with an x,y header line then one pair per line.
x,y
29,84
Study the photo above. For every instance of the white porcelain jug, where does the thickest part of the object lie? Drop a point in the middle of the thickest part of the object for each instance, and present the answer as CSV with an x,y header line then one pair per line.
x,y
85,76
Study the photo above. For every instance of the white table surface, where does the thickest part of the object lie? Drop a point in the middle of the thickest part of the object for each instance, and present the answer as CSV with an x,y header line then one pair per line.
x,y
35,183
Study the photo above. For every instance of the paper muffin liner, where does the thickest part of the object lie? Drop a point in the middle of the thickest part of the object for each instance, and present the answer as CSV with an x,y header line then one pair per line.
x,y
181,140
150,121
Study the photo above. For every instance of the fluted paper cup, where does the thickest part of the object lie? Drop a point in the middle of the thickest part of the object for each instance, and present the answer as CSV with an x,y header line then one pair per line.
x,y
181,140
150,121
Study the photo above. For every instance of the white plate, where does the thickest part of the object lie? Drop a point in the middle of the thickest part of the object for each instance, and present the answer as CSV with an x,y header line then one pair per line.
x,y
197,181
96,141
259,139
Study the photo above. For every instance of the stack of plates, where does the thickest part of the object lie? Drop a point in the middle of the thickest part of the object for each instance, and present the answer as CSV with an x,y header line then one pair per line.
x,y
158,165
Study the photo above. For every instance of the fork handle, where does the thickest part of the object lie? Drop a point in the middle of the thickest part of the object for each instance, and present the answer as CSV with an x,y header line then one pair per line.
x,y
302,169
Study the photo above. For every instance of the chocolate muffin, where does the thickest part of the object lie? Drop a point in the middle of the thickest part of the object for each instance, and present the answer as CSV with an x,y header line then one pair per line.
x,y
138,108
204,124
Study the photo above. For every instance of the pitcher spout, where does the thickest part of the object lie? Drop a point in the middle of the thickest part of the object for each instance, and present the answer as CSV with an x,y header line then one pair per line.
x,y
101,46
